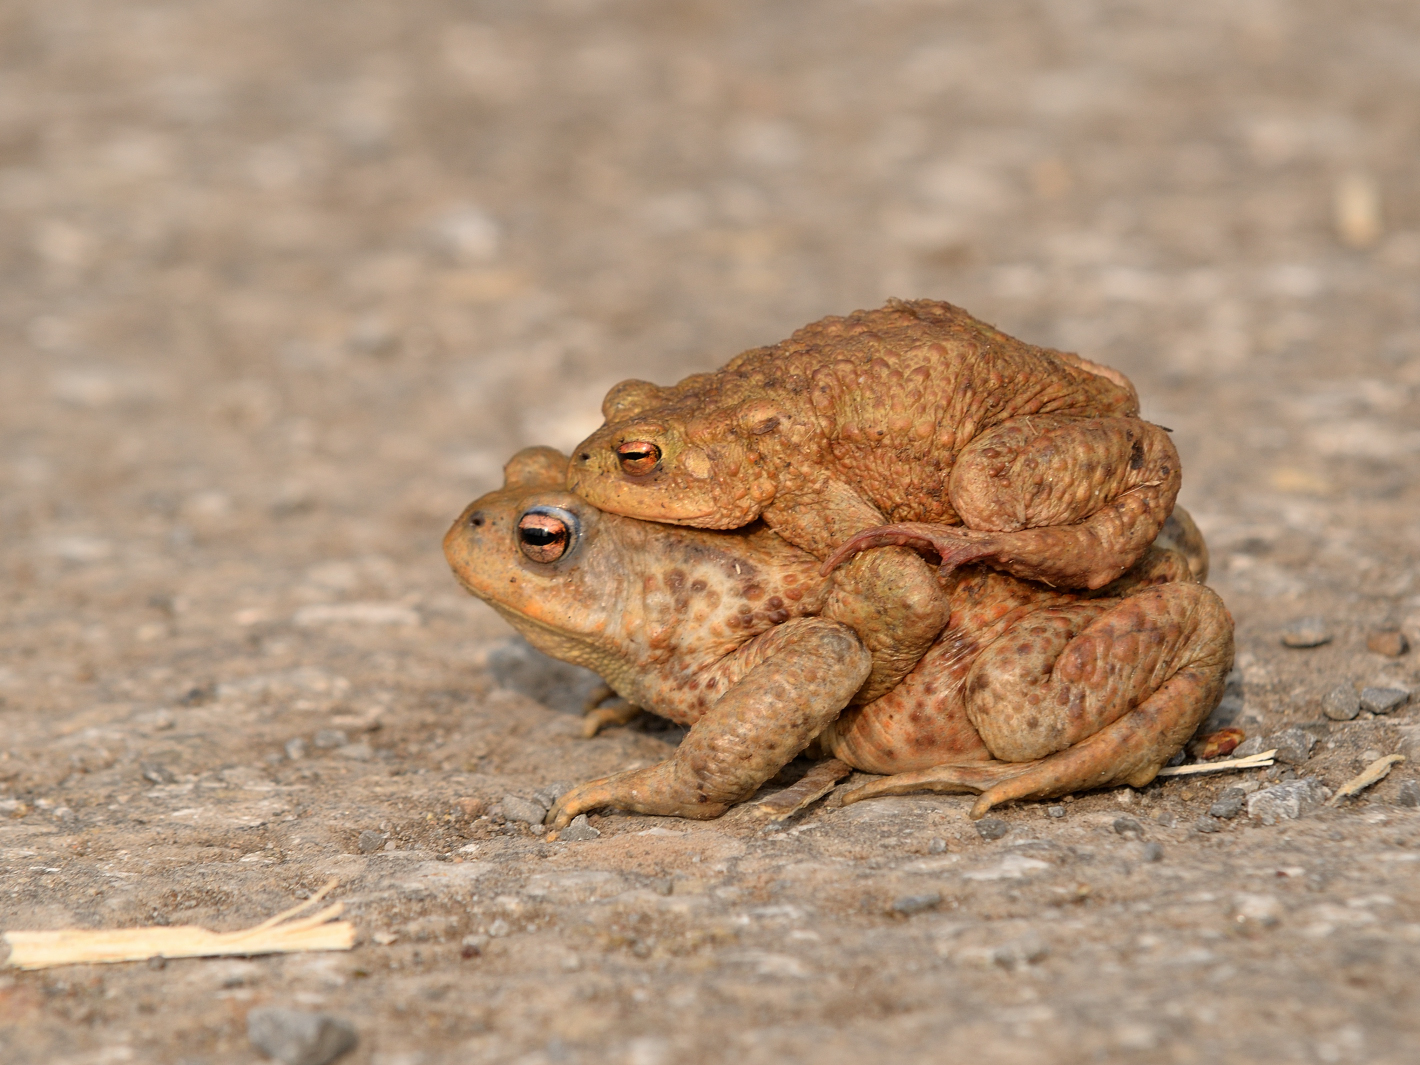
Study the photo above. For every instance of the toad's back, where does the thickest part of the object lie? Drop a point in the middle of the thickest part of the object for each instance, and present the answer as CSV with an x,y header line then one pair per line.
x,y
895,393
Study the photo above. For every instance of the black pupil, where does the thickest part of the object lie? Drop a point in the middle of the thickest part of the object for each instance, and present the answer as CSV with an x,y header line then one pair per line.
x,y
542,537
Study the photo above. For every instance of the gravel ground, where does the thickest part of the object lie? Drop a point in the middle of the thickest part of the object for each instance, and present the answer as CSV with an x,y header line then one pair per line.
x,y
285,284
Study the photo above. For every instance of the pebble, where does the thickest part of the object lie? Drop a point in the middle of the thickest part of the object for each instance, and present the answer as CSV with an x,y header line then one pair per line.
x,y
551,793
1027,950
1055,811
472,946
327,738
937,846
296,749
157,773
1294,745
529,811
370,841
1208,824
1409,794
1256,910
907,905
1153,852
1390,642
1383,700
1248,747
1341,703
992,828
1306,632
1128,827
1287,801
294,1037
1229,804
579,831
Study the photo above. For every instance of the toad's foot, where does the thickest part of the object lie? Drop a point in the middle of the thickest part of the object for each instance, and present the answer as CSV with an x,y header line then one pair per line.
x,y
597,717
814,784
784,687
653,790
953,545
950,779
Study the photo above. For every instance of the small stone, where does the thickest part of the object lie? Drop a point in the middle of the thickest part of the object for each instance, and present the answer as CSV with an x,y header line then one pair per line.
x,y
472,946
1306,632
1128,828
1390,642
296,749
1409,794
1294,745
1383,700
1166,819
328,738
1229,804
1027,950
524,810
937,846
1256,910
1410,742
579,831
1341,703
1248,747
551,793
157,773
370,841
294,1037
907,905
499,928
1055,811
1287,801
1208,824
1153,852
359,752
992,828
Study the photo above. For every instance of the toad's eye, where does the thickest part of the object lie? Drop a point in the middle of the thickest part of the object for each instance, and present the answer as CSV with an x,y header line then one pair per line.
x,y
638,457
545,534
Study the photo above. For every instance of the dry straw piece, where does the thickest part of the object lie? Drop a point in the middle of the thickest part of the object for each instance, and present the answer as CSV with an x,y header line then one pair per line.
x,y
1372,774
1252,761
279,935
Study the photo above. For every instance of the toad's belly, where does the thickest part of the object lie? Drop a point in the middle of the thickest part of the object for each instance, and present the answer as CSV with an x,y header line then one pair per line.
x,y
920,723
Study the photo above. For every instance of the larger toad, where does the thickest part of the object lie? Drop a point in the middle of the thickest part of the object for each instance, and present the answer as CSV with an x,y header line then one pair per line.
x,y
1030,692
1031,460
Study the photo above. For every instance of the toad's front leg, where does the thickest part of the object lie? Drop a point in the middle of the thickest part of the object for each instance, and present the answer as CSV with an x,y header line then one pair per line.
x,y
784,687
1073,502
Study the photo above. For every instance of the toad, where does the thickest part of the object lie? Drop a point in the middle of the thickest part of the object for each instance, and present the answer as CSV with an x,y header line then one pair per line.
x,y
1031,460
1030,692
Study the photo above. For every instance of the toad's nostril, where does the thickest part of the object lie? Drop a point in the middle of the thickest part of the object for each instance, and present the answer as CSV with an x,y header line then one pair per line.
x,y
476,521
585,457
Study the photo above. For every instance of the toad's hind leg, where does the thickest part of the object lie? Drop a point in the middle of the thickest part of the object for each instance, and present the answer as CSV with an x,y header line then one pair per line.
x,y
1072,502
1129,686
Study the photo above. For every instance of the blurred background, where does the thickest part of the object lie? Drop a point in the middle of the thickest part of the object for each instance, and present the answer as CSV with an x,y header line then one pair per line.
x,y
283,285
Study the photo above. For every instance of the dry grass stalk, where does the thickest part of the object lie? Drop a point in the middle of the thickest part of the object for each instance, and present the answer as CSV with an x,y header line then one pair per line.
x,y
278,935
1252,761
1373,773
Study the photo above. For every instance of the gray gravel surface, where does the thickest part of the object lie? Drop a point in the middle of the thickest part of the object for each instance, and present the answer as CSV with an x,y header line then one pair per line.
x,y
285,284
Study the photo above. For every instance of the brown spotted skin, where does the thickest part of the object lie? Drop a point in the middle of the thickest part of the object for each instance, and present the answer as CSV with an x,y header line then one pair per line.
x,y
912,412
722,631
